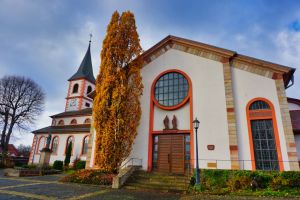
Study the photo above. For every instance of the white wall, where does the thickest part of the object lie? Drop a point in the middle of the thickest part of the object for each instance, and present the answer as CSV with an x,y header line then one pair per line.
x,y
247,86
208,102
182,115
77,148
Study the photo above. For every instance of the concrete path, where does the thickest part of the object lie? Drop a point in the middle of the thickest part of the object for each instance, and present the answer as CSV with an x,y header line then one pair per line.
x,y
48,187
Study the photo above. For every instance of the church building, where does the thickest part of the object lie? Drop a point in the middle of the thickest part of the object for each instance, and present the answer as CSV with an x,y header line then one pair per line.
x,y
74,123
246,120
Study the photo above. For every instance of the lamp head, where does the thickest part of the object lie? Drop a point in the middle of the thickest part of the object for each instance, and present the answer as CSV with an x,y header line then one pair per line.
x,y
196,123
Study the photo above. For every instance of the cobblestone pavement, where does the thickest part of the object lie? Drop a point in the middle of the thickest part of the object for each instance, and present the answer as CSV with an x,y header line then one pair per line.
x,y
48,187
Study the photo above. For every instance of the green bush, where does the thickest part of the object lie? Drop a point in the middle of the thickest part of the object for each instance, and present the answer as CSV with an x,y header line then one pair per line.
x,y
75,161
80,164
269,183
58,165
96,177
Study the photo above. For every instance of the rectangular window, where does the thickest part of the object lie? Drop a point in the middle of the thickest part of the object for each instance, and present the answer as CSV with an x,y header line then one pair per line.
x,y
264,145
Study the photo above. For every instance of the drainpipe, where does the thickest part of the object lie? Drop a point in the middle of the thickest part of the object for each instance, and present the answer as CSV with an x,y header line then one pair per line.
x,y
292,82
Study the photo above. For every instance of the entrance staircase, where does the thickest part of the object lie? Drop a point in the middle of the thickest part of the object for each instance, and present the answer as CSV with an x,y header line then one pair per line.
x,y
162,182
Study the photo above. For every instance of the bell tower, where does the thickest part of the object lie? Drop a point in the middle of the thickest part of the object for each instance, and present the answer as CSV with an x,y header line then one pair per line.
x,y
81,84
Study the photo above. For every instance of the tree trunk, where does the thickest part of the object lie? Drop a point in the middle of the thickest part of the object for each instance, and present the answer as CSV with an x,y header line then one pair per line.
x,y
4,131
7,138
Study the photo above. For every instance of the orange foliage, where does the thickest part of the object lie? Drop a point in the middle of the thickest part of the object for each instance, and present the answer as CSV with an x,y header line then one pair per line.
x,y
119,86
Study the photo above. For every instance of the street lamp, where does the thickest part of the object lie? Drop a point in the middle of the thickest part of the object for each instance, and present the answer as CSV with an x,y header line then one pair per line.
x,y
196,126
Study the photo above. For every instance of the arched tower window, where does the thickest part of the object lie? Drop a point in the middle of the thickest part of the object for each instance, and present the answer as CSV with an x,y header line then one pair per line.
x,y
41,144
87,121
85,144
89,89
54,145
61,122
73,121
75,88
263,135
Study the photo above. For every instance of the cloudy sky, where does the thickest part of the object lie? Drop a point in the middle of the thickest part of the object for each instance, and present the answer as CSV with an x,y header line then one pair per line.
x,y
46,40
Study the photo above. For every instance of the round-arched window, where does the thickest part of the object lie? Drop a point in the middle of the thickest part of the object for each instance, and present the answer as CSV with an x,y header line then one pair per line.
x,y
171,89
259,105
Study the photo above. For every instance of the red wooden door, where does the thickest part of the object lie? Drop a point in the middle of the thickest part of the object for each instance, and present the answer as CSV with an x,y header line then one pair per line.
x,y
171,154
177,154
164,151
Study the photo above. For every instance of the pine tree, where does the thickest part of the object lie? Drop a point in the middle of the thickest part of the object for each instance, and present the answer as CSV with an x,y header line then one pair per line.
x,y
68,154
118,89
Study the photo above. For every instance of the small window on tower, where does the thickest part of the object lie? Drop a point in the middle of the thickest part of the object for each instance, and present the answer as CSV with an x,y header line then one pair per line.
x,y
87,105
75,88
89,89
73,121
61,122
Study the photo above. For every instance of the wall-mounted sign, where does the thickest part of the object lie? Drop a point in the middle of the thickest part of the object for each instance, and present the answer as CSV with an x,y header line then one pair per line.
x,y
211,147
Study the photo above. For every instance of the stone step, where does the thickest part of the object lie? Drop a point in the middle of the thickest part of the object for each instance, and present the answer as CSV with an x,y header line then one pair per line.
x,y
159,189
159,184
157,181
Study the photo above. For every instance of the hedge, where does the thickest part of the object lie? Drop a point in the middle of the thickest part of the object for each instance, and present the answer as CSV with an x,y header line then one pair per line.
x,y
236,181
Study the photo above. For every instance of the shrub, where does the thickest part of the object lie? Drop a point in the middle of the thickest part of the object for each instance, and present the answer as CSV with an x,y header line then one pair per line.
x,y
269,183
80,164
75,161
58,165
96,177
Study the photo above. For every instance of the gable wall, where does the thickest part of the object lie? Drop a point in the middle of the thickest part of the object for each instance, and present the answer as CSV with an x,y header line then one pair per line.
x,y
209,104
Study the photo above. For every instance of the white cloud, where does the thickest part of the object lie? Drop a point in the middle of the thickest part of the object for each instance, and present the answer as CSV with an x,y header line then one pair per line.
x,y
288,51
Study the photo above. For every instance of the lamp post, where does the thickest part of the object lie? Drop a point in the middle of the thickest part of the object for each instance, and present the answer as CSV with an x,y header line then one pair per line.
x,y
196,126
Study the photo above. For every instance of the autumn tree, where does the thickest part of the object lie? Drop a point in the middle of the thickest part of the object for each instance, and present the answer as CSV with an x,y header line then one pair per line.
x,y
119,87
21,102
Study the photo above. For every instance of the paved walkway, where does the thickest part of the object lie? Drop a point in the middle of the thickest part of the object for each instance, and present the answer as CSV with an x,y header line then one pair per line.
x,y
48,187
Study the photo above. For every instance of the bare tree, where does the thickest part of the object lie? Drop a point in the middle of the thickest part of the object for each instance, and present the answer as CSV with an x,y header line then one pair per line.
x,y
24,150
21,101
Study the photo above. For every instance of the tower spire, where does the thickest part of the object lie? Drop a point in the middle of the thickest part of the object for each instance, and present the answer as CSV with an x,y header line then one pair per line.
x,y
85,69
91,35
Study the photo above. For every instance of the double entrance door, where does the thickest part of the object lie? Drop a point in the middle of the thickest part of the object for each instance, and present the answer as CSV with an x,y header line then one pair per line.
x,y
171,153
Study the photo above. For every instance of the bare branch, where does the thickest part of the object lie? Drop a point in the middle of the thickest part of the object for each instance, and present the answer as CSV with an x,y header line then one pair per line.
x,y
21,102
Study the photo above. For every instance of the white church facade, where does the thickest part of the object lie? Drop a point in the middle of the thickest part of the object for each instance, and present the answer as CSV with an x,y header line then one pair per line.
x,y
240,101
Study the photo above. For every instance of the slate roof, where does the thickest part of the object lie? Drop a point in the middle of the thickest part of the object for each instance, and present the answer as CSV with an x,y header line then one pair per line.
x,y
85,69
86,111
295,116
293,100
65,129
